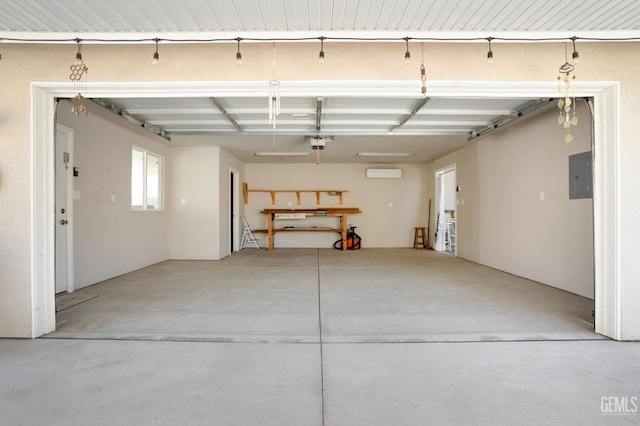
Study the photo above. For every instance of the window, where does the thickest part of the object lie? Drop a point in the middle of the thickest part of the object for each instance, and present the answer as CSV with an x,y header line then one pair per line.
x,y
146,178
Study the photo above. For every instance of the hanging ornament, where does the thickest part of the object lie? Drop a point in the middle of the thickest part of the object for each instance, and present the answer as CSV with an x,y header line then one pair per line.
x,y
77,76
274,93
566,104
423,73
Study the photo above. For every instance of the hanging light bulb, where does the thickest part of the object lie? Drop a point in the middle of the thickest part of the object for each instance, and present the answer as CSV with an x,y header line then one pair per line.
x,y
78,53
156,55
490,52
321,54
238,54
575,55
407,54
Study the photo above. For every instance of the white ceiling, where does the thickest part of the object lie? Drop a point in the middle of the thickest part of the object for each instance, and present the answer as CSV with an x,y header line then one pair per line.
x,y
432,126
385,124
334,116
239,16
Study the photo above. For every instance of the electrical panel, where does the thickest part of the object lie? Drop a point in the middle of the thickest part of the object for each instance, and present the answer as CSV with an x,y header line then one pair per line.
x,y
581,176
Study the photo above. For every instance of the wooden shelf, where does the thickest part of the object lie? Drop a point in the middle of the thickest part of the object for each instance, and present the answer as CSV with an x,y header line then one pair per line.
x,y
333,192
327,211
265,231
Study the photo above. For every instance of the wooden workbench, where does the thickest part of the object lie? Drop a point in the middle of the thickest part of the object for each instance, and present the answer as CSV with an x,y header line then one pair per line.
x,y
340,212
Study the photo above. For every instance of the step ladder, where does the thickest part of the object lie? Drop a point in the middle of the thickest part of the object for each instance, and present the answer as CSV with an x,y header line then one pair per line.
x,y
450,234
248,236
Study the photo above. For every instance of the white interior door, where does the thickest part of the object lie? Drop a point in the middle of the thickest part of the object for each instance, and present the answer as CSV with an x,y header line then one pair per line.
x,y
235,209
64,172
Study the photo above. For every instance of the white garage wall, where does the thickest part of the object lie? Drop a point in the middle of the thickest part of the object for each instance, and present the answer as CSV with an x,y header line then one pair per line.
x,y
379,224
109,238
198,202
193,203
228,162
131,240
504,224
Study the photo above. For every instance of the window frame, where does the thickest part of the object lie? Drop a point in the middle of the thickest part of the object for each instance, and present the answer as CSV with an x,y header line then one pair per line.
x,y
145,183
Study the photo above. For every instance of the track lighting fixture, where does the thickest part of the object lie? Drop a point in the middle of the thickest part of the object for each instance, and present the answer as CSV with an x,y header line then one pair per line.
x,y
156,55
238,54
575,55
490,52
407,54
321,54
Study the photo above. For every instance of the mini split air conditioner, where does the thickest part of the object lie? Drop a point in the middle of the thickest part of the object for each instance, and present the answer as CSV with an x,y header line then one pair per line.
x,y
384,173
318,142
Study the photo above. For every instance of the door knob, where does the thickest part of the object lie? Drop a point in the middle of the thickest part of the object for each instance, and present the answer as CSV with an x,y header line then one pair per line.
x,y
64,222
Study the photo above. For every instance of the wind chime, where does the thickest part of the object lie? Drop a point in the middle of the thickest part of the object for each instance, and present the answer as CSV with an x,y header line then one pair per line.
x,y
274,98
77,76
567,89
274,93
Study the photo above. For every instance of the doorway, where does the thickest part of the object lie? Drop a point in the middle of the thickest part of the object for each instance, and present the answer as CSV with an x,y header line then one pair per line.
x,y
609,319
446,199
63,209
234,213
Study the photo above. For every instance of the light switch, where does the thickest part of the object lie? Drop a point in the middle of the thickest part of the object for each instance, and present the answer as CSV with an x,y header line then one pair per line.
x,y
113,197
541,196
183,201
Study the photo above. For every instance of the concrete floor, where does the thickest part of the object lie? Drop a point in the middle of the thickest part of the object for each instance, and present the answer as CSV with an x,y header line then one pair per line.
x,y
320,337
382,295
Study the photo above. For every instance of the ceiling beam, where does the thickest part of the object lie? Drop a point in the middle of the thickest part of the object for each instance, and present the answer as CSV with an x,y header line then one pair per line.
x,y
418,106
318,114
226,114
148,126
461,112
360,131
525,109
173,110
441,123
